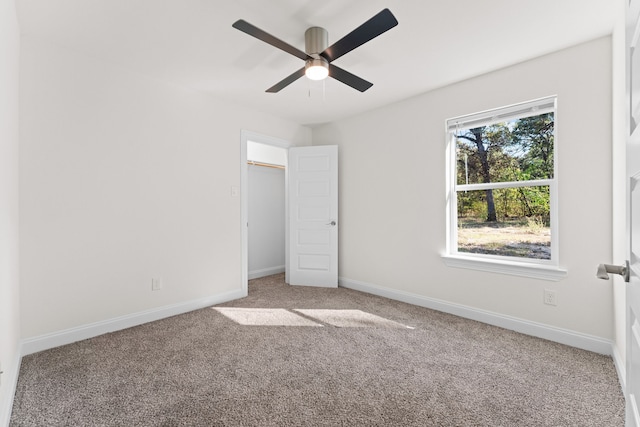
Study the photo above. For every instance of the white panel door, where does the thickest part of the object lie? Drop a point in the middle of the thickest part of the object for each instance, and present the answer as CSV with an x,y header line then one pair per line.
x,y
633,213
313,216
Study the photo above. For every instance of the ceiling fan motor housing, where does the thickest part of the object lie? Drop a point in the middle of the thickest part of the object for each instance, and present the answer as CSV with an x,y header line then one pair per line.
x,y
316,40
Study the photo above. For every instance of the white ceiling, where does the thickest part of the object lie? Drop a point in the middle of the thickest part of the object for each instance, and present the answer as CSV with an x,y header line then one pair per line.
x,y
191,43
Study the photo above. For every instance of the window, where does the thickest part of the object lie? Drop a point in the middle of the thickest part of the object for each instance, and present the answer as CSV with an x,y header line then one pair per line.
x,y
502,190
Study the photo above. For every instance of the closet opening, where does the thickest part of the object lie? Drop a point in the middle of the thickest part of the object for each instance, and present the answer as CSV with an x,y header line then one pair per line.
x,y
266,206
263,206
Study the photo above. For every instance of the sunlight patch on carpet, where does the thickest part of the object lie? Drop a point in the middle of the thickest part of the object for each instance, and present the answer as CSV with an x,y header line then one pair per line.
x,y
264,317
351,318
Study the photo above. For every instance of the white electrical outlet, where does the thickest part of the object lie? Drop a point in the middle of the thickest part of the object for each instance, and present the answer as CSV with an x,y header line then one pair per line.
x,y
156,283
550,297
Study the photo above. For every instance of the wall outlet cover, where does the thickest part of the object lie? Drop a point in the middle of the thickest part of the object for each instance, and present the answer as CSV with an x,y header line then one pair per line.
x,y
550,297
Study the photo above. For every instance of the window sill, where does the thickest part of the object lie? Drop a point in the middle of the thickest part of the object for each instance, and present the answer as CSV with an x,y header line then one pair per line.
x,y
514,268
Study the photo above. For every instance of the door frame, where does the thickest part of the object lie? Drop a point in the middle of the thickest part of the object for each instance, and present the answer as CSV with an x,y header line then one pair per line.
x,y
245,137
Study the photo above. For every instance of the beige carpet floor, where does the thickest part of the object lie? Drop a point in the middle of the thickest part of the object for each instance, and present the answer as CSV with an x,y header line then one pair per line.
x,y
297,356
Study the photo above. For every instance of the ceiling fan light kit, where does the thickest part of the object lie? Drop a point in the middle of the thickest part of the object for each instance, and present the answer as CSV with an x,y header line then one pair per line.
x,y
318,57
316,68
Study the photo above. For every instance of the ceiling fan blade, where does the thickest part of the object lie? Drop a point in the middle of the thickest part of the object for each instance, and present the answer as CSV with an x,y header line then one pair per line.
x,y
256,32
348,78
286,81
371,29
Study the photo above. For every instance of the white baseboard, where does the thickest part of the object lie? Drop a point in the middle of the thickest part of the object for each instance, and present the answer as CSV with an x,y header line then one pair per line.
x,y
540,330
68,336
11,378
256,274
621,368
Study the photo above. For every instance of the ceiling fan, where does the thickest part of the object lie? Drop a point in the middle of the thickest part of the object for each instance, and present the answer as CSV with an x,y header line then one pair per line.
x,y
318,56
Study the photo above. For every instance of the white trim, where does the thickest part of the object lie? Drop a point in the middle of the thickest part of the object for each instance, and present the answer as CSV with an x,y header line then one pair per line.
x,y
263,272
68,336
535,107
540,330
244,214
12,378
632,415
265,139
499,265
504,184
621,369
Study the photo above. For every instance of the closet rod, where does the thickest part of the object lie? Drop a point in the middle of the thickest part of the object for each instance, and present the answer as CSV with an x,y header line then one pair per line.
x,y
267,165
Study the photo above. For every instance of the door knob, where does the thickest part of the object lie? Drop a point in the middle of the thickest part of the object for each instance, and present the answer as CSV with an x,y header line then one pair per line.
x,y
332,223
604,269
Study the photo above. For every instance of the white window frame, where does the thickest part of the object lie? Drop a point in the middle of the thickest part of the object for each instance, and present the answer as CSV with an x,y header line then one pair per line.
x,y
527,267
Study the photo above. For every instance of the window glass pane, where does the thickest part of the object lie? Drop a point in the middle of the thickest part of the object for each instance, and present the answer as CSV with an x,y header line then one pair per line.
x,y
517,150
520,226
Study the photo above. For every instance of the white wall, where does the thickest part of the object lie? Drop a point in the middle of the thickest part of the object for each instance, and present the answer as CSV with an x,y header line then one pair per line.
x,y
266,213
392,192
122,179
9,286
